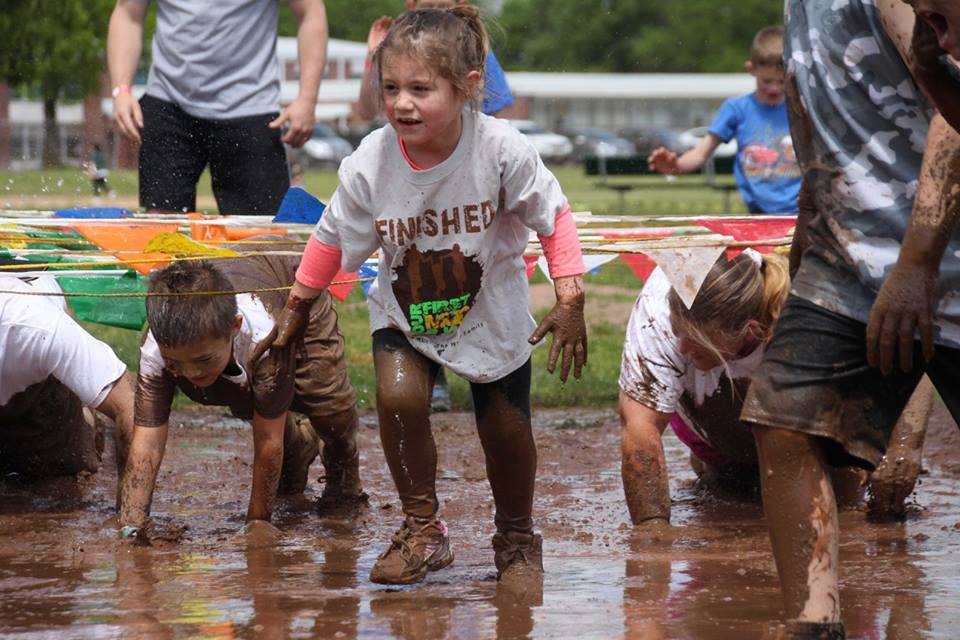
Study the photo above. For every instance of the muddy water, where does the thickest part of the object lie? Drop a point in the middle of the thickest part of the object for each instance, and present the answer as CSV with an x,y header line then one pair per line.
x,y
63,574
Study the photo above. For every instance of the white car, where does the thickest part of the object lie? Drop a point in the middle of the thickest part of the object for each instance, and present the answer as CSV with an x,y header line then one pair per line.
x,y
692,137
551,146
326,148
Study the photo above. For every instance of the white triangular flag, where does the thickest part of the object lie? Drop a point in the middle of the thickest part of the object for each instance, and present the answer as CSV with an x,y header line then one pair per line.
x,y
686,267
590,261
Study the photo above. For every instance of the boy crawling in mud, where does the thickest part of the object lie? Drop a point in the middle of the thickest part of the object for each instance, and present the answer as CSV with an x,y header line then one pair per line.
x,y
53,377
206,346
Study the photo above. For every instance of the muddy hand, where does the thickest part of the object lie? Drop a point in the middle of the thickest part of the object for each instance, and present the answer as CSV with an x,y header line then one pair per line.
x,y
565,320
890,486
288,328
904,305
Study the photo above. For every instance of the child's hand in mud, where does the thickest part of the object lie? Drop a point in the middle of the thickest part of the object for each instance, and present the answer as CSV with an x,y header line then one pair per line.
x,y
260,533
664,161
654,529
904,305
566,322
152,532
890,486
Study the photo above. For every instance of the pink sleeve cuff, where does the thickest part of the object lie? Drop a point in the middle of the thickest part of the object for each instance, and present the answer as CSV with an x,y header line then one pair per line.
x,y
319,265
562,249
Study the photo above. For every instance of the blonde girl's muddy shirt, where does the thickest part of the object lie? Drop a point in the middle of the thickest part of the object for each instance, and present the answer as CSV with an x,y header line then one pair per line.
x,y
654,373
451,241
867,124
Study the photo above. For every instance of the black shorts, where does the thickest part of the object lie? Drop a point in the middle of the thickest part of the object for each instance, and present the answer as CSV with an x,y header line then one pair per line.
x,y
248,165
815,379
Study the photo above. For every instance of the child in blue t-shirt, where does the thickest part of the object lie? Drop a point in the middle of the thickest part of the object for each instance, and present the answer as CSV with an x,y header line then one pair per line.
x,y
766,169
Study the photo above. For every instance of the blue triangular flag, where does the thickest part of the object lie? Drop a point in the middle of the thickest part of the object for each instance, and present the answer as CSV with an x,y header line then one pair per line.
x,y
299,206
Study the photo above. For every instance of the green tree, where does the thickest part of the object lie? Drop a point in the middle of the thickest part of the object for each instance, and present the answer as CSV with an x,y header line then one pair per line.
x,y
57,47
631,35
347,19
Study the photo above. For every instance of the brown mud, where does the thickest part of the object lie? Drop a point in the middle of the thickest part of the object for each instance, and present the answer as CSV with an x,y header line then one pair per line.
x,y
64,573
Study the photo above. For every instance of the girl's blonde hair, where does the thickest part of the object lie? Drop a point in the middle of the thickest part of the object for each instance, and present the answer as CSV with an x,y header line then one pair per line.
x,y
452,41
734,293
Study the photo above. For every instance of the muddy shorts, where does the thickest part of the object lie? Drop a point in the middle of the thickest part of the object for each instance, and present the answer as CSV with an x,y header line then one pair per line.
x,y
43,433
321,383
815,379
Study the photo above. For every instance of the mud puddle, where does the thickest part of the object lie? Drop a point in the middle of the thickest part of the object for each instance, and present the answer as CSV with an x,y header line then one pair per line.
x,y
63,574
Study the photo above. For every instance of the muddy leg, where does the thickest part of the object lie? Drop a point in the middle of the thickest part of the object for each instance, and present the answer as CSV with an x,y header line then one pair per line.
x,y
300,447
896,475
404,381
341,457
503,422
801,513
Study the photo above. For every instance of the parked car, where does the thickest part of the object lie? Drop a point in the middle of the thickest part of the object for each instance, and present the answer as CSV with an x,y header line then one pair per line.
x,y
325,148
357,133
551,146
646,139
692,137
588,141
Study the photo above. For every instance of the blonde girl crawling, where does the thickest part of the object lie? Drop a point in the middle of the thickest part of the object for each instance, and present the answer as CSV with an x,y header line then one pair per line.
x,y
448,197
690,368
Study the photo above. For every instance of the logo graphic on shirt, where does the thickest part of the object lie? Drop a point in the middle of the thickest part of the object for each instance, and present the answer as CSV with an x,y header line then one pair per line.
x,y
770,160
436,289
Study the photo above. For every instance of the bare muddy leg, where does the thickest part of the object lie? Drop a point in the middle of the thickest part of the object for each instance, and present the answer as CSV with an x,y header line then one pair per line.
x,y
404,381
503,422
801,513
895,477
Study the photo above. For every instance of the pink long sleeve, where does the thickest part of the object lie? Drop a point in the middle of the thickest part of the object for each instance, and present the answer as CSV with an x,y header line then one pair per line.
x,y
562,249
319,265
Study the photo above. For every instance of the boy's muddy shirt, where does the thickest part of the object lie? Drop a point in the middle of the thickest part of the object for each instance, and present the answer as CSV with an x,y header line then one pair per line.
x,y
451,241
654,373
273,388
868,123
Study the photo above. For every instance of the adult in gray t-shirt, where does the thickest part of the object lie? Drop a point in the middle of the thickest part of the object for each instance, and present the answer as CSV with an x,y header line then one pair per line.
x,y
213,98
879,258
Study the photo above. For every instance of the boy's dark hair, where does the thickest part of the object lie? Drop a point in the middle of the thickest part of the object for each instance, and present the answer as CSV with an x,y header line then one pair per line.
x,y
182,320
767,47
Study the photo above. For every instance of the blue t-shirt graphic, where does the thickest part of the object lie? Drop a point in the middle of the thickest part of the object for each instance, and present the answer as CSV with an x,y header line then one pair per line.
x,y
766,169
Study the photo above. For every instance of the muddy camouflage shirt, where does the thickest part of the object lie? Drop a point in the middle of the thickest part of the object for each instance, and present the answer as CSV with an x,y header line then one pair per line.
x,y
860,136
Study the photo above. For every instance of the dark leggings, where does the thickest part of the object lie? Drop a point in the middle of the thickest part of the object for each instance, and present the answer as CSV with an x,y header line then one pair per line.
x,y
404,382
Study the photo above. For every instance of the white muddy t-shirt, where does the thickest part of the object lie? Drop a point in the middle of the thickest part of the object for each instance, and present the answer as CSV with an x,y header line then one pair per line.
x,y
38,339
654,372
451,241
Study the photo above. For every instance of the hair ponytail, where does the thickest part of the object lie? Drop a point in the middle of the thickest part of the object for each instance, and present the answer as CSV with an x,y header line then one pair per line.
x,y
481,40
734,293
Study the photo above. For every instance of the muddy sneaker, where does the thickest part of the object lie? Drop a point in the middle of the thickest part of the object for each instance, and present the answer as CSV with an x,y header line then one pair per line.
x,y
421,545
519,560
300,446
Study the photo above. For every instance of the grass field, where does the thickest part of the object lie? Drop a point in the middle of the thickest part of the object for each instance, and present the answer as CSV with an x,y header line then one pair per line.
x,y
609,293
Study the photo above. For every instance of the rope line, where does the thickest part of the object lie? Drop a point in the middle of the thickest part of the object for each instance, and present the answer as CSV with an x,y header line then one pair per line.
x,y
170,294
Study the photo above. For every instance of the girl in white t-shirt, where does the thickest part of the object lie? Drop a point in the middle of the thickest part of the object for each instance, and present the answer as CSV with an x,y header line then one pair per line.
x,y
448,197
690,368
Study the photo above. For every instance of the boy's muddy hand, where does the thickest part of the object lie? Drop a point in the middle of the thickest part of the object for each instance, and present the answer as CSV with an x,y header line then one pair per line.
x,y
565,320
288,329
903,306
258,533
664,161
891,484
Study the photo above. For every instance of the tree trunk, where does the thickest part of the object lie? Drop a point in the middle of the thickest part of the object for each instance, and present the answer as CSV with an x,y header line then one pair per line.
x,y
51,134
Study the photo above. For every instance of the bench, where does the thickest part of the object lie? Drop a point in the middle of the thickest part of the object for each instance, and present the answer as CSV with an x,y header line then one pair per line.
x,y
637,166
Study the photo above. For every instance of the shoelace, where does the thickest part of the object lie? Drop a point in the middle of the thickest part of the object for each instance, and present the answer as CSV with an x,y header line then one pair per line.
x,y
401,539
513,549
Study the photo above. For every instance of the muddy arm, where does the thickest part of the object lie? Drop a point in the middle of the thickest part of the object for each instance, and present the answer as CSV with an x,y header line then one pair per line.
x,y
267,463
643,465
140,474
118,406
894,479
